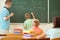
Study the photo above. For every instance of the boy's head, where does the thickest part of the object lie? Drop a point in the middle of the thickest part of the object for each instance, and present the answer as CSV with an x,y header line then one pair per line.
x,y
56,22
8,3
27,16
36,22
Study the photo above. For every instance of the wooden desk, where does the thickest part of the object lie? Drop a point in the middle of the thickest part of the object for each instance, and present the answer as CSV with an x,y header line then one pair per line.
x,y
20,37
38,39
3,35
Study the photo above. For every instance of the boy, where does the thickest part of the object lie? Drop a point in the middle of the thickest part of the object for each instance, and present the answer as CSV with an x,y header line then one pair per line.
x,y
5,17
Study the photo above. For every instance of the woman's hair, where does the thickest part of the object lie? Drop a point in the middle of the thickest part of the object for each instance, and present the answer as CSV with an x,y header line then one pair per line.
x,y
56,22
27,14
8,1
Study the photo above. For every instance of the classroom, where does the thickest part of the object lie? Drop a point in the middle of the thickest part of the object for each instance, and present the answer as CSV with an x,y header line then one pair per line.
x,y
20,19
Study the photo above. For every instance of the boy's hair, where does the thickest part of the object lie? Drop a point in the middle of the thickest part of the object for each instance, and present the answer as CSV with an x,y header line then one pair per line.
x,y
56,21
8,1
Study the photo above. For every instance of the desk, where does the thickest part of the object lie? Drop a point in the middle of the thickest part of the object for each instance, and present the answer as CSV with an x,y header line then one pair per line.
x,y
20,37
38,39
3,35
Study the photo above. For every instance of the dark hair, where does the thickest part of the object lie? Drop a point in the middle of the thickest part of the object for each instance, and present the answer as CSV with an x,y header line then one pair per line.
x,y
56,21
8,1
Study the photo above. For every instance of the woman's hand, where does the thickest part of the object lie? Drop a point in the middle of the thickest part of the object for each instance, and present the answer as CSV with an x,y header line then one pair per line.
x,y
33,15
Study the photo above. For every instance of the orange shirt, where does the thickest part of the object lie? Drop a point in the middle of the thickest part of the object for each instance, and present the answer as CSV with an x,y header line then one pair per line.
x,y
37,29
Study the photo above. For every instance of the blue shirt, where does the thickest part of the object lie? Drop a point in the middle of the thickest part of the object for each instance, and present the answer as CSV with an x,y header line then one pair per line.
x,y
53,33
4,24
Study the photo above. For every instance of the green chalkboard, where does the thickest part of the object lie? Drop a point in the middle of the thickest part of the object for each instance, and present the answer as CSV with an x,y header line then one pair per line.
x,y
20,7
54,9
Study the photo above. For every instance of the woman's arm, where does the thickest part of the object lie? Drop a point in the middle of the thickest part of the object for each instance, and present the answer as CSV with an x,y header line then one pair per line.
x,y
33,15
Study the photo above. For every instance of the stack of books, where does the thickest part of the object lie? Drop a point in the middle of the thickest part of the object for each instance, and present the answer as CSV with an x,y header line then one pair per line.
x,y
17,31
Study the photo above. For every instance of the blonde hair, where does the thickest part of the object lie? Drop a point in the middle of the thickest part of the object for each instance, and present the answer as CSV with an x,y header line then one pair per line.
x,y
36,22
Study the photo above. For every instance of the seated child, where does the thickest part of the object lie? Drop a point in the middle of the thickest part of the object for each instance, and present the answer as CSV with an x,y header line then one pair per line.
x,y
36,28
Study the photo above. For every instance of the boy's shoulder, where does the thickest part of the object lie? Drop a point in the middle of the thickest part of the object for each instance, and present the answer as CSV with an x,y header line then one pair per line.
x,y
4,9
53,30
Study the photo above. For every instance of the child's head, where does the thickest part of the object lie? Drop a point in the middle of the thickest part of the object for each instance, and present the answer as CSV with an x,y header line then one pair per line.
x,y
27,16
36,22
8,3
56,22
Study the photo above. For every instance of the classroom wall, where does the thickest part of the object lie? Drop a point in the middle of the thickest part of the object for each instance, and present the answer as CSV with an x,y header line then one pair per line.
x,y
44,26
2,3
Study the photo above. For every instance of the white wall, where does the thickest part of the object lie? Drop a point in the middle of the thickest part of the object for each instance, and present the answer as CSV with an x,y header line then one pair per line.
x,y
43,26
2,3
